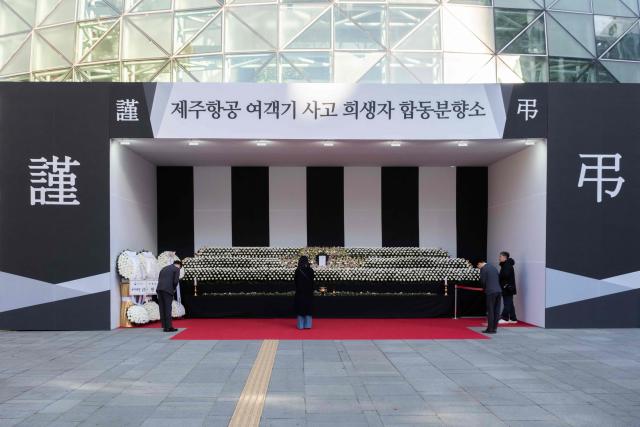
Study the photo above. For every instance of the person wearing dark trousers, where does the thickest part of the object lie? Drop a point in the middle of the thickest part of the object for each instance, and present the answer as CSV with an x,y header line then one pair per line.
x,y
490,281
167,282
303,300
508,284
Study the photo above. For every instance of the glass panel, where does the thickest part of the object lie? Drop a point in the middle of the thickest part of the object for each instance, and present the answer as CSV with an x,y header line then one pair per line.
x,y
199,68
478,20
633,5
476,2
425,67
402,20
26,9
415,2
151,5
98,73
562,44
157,26
144,71
20,78
628,47
349,67
570,70
294,19
611,7
208,41
604,76
304,1
17,58
137,44
378,73
45,8
316,36
509,23
486,74
531,41
101,39
519,4
524,68
458,38
10,22
53,76
64,12
573,5
94,9
187,24
251,68
609,29
306,67
624,72
425,37
9,45
45,56
62,38
195,4
360,27
461,68
251,28
580,26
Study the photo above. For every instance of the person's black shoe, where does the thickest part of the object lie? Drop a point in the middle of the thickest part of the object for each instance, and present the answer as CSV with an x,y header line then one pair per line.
x,y
486,331
171,330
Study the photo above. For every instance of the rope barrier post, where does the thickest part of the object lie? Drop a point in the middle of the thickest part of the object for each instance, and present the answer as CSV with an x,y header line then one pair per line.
x,y
195,287
455,303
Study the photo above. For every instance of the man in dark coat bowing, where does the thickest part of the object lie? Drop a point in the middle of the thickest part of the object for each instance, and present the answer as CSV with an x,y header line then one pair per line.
x,y
167,282
490,282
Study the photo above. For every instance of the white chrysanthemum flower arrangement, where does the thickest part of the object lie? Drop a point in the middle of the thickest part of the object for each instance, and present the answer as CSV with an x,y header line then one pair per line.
x,y
138,315
177,309
153,310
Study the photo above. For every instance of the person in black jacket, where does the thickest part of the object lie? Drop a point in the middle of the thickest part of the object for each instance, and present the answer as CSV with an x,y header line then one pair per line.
x,y
167,282
508,285
491,284
303,279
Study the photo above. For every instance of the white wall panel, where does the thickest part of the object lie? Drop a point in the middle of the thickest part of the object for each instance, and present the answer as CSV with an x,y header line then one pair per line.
x,y
288,206
133,212
437,202
212,206
517,224
362,206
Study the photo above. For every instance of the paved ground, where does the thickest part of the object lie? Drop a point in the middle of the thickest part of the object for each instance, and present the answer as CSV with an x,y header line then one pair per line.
x,y
521,377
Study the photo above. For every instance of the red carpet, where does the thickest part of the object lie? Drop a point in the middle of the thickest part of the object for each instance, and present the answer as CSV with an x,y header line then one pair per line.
x,y
329,329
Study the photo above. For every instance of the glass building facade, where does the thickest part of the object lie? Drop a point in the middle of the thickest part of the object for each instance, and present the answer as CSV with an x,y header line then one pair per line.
x,y
386,41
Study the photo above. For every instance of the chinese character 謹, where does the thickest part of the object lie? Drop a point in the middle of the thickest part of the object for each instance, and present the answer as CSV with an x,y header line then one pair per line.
x,y
127,110
52,182
528,107
599,177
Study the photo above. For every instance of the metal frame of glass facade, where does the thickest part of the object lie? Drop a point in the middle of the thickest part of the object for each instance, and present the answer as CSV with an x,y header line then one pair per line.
x,y
386,41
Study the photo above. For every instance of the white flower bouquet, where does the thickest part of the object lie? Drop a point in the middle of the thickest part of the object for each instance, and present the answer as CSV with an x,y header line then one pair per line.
x,y
129,266
153,310
138,315
177,309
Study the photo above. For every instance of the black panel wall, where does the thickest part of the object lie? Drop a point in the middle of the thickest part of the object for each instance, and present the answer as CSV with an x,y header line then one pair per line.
x,y
325,206
400,206
250,206
471,212
175,210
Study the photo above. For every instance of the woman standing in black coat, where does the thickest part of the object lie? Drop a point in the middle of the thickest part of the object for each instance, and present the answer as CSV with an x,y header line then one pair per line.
x,y
508,285
303,279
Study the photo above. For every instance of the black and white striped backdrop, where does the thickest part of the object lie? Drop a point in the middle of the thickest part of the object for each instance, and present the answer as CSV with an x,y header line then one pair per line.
x,y
323,206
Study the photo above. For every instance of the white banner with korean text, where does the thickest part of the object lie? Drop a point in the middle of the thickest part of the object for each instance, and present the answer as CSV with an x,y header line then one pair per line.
x,y
327,111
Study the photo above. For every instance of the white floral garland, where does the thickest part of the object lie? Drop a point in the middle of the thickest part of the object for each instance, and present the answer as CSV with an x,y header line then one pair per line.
x,y
138,315
149,265
153,310
129,266
177,309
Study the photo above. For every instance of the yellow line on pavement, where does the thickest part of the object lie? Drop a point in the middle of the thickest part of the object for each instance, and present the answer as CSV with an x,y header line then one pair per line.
x,y
251,403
